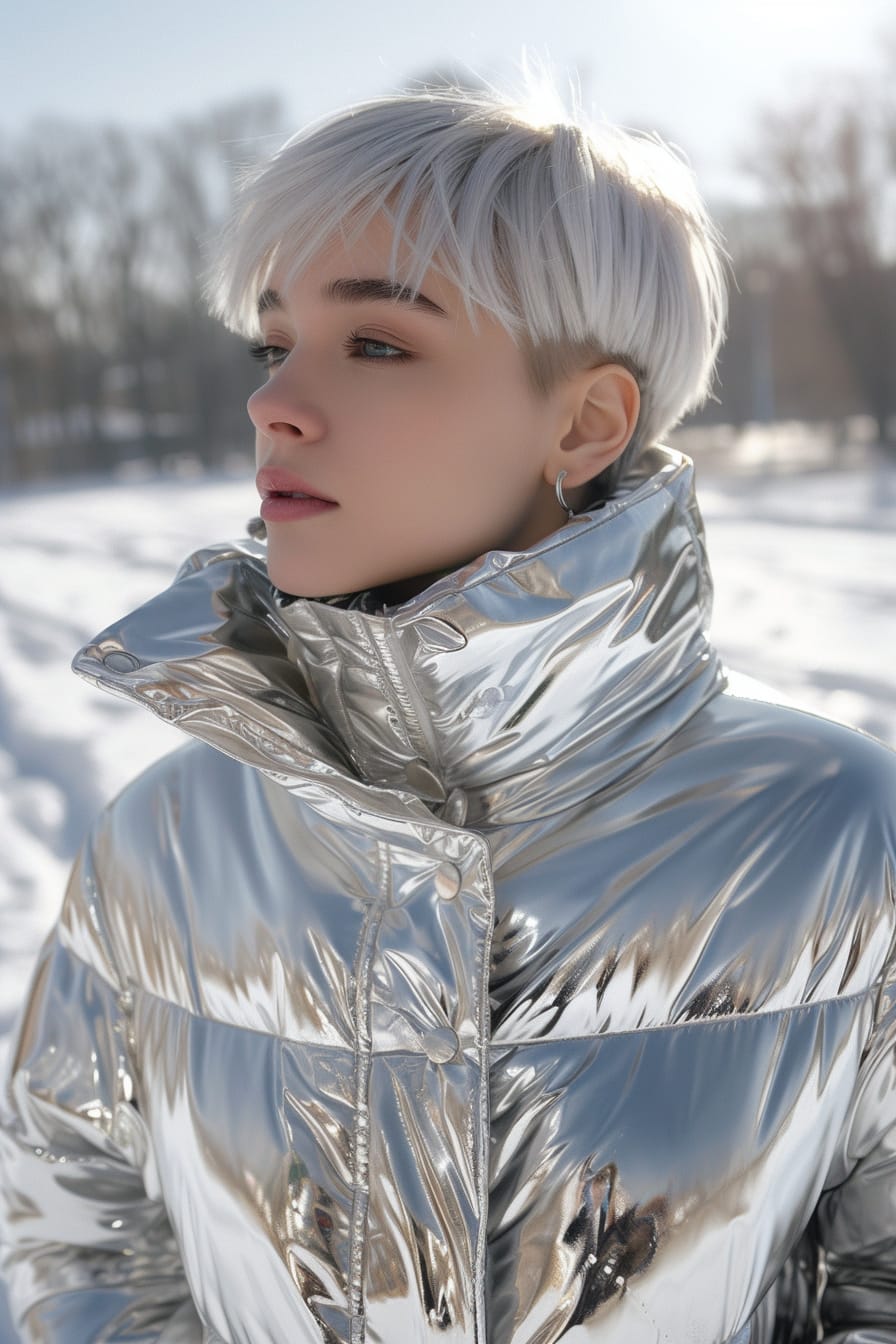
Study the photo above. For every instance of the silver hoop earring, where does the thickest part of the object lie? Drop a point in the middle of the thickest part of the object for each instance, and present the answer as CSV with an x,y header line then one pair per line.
x,y
559,489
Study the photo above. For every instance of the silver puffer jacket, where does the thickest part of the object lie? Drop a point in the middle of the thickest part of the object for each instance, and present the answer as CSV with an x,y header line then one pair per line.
x,y
488,970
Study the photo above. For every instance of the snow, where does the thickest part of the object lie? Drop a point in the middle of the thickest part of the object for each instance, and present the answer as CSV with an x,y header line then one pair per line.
x,y
804,575
803,566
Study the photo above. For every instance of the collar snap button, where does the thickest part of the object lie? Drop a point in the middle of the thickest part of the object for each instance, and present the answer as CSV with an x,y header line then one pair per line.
x,y
449,881
454,809
119,661
440,1046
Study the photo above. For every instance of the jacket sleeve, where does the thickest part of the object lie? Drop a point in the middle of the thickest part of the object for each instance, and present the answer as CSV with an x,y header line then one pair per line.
x,y
856,1219
86,1252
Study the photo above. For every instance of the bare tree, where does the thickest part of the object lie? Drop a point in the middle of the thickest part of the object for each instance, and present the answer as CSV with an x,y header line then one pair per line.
x,y
106,346
10,330
50,182
122,204
198,162
829,165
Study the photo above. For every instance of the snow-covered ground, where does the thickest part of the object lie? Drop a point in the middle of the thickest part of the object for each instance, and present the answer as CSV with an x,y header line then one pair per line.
x,y
805,580
803,564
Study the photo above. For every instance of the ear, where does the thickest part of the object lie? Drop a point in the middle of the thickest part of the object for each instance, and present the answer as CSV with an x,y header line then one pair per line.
x,y
604,403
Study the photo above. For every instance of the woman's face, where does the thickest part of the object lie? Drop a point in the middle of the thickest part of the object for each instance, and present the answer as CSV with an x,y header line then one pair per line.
x,y
424,435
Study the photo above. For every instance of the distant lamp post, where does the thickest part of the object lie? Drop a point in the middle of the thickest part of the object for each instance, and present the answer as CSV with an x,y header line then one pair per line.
x,y
762,368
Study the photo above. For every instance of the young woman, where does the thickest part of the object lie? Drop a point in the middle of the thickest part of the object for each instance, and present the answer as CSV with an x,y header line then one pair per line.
x,y
487,968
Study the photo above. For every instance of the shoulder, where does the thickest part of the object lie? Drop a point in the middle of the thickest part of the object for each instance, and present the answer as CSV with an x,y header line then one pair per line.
x,y
751,752
195,775
789,820
760,727
208,872
190,809
822,792
174,836
815,802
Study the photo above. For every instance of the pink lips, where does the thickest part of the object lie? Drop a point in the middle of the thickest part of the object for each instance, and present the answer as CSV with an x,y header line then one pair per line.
x,y
282,481
285,497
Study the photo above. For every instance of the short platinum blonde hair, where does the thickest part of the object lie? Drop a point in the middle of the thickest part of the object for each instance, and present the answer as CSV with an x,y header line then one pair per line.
x,y
589,243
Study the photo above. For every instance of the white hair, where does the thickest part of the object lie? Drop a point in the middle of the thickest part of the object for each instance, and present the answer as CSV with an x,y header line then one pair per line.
x,y
589,243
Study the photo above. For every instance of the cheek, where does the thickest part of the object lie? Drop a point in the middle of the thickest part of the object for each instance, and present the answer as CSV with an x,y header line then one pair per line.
x,y
458,447
470,407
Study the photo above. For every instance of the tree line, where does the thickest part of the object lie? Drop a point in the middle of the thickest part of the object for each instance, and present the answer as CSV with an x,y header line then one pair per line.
x,y
821,263
107,353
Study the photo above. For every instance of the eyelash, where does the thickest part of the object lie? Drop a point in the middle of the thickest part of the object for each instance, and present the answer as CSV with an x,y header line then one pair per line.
x,y
263,352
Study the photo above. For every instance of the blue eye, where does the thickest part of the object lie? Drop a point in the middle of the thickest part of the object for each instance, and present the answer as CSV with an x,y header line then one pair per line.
x,y
267,353
355,341
272,355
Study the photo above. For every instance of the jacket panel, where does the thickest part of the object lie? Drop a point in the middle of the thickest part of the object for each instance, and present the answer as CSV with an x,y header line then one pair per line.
x,y
748,868
579,1104
639,1193
856,1217
91,1254
405,934
257,1172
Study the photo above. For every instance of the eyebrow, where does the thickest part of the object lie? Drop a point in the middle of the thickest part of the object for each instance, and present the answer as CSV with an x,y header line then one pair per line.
x,y
368,290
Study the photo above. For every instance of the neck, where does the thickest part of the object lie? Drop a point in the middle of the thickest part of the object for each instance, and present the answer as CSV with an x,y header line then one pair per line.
x,y
535,530
402,590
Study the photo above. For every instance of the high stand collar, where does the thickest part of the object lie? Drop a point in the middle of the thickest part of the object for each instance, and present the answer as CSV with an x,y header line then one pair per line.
x,y
520,683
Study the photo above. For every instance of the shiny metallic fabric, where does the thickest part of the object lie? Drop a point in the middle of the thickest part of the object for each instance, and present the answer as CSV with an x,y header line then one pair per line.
x,y
487,970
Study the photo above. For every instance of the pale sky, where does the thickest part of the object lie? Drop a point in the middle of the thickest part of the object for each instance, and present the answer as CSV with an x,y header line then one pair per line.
x,y
694,70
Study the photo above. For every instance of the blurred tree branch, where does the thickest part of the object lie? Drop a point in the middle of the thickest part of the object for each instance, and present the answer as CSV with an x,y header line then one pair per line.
x,y
105,344
829,164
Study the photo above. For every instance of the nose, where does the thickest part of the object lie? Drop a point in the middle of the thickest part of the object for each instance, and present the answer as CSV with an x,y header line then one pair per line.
x,y
279,412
